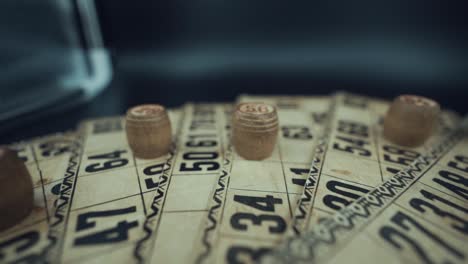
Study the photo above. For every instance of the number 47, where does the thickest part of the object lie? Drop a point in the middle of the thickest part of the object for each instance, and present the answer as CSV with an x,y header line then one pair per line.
x,y
112,235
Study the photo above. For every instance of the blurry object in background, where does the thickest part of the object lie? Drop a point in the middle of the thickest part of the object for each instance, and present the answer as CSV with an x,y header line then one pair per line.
x,y
377,48
410,120
16,189
51,56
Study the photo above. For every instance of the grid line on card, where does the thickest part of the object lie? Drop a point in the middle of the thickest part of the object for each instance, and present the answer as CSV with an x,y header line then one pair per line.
x,y
37,166
365,213
60,247
87,174
230,150
252,190
36,224
442,191
81,259
323,210
200,131
373,118
227,235
106,202
338,178
55,231
94,151
210,229
309,194
365,158
139,184
107,155
193,174
333,131
198,128
8,232
228,182
144,245
376,142
184,211
114,173
235,197
315,184
284,178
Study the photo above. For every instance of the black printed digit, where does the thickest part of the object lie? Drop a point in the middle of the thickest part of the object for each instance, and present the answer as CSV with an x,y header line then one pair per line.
x,y
457,223
353,128
207,162
298,171
456,164
154,171
277,224
397,237
296,132
357,146
112,160
234,254
404,157
266,203
54,148
198,141
348,191
114,234
452,181
21,243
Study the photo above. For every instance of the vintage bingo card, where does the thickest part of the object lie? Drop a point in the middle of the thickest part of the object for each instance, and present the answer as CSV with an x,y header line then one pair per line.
x,y
47,160
420,215
101,212
253,200
353,157
181,200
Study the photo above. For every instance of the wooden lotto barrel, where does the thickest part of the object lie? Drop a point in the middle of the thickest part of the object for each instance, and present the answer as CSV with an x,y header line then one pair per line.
x,y
411,120
254,130
16,189
149,132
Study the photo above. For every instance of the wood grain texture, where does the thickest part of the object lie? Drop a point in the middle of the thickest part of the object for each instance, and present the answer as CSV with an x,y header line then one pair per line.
x,y
255,130
148,131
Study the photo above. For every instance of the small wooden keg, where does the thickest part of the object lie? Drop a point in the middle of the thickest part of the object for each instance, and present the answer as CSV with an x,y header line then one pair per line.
x,y
411,120
16,189
148,131
254,130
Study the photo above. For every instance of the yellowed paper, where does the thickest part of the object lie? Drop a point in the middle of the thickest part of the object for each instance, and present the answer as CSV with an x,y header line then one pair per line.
x,y
114,191
105,205
47,159
417,216
354,157
252,201
182,202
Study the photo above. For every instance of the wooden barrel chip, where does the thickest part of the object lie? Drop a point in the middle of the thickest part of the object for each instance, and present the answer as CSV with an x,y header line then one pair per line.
x,y
149,132
411,120
255,130
16,189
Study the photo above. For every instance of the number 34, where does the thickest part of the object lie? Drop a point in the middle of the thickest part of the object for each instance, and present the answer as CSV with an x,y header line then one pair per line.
x,y
239,220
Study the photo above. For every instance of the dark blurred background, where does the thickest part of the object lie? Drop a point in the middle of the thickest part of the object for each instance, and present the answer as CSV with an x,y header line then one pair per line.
x,y
171,52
